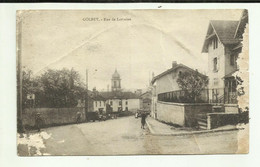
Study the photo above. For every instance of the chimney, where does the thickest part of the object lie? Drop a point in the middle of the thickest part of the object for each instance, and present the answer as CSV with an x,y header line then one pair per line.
x,y
174,63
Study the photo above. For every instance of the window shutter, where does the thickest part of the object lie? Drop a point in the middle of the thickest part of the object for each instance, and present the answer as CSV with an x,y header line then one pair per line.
x,y
218,63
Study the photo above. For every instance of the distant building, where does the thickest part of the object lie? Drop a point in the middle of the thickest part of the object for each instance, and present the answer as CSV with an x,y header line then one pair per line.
x,y
116,82
146,100
122,101
95,102
138,92
115,100
99,102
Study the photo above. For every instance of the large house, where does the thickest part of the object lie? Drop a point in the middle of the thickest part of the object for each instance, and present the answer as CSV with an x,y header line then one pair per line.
x,y
223,45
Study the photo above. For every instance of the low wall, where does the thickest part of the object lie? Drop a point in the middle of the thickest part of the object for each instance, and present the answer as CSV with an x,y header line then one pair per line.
x,y
52,116
221,119
181,113
231,108
192,110
171,113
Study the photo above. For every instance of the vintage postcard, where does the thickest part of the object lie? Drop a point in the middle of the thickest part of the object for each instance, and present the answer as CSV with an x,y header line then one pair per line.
x,y
132,82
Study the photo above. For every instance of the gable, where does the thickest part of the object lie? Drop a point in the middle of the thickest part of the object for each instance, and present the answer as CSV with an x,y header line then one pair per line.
x,y
224,30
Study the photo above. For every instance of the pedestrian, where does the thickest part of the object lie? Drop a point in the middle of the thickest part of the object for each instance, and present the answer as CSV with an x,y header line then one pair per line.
x,y
38,121
143,116
136,115
78,117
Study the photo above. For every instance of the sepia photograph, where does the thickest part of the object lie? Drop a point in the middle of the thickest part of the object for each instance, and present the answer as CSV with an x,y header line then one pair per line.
x,y
132,82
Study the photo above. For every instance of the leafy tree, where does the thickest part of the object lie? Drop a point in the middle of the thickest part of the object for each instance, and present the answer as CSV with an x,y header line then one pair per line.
x,y
192,83
54,88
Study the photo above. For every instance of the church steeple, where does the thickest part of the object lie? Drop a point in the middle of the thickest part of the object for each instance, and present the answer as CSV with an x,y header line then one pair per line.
x,y
116,81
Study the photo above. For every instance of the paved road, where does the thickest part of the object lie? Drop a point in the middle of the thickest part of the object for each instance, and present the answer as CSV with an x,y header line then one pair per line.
x,y
122,136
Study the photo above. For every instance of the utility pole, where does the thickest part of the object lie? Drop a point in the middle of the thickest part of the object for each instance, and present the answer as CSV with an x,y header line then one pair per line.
x,y
19,77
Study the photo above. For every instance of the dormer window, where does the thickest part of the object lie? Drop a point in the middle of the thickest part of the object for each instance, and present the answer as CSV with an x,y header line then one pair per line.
x,y
215,43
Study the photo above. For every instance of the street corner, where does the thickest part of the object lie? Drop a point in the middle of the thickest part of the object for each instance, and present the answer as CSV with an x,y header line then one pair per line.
x,y
158,128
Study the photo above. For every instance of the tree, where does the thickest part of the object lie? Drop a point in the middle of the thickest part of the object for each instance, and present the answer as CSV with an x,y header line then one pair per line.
x,y
62,88
54,88
192,83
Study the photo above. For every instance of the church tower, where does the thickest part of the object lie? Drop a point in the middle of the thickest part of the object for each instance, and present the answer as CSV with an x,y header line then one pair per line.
x,y
115,82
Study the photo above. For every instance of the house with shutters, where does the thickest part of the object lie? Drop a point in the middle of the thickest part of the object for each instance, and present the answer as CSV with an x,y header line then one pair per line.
x,y
217,105
223,43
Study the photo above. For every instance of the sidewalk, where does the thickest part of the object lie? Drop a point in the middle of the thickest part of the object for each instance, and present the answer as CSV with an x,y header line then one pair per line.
x,y
162,129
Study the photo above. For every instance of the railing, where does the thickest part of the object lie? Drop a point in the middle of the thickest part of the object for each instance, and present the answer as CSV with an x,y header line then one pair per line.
x,y
220,95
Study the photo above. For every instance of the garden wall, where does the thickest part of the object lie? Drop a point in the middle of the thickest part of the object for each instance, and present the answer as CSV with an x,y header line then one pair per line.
x,y
52,116
183,114
221,119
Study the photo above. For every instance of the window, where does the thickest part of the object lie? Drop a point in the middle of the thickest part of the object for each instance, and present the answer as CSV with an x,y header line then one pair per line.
x,y
215,64
99,103
233,59
114,83
111,103
215,43
120,103
126,102
215,81
96,103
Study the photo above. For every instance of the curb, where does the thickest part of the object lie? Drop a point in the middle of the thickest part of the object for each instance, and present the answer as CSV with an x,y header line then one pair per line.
x,y
189,133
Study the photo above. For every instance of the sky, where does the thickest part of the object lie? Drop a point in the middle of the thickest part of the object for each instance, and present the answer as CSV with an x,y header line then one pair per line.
x,y
146,42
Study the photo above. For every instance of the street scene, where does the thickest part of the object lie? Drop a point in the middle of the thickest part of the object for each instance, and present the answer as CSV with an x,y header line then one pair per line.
x,y
127,82
97,139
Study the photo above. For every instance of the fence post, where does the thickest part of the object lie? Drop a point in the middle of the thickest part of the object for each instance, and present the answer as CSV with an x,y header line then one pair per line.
x,y
207,95
208,122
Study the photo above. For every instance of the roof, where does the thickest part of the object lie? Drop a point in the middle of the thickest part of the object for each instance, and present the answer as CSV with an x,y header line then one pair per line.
x,y
119,95
224,30
173,69
241,25
98,97
147,92
230,75
116,74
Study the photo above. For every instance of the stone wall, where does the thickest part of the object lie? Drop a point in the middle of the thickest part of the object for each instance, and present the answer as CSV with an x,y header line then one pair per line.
x,y
221,119
181,113
191,111
171,113
52,116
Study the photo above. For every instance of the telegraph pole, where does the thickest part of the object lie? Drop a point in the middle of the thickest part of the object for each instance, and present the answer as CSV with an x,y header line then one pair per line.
x,y
19,77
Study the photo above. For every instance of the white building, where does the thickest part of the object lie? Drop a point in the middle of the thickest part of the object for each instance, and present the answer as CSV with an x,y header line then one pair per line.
x,y
118,100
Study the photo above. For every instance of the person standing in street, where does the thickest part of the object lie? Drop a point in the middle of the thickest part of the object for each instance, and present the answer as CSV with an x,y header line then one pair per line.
x,y
78,117
38,121
143,117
